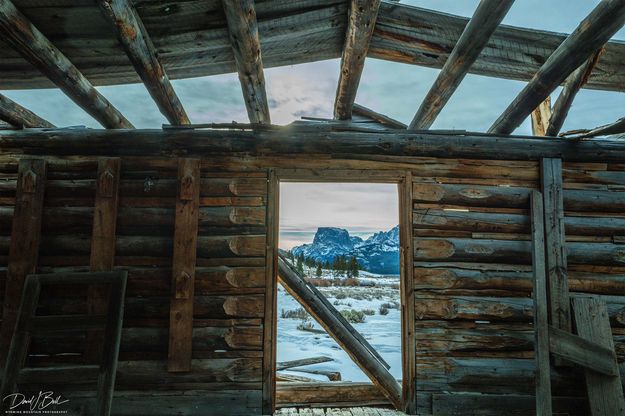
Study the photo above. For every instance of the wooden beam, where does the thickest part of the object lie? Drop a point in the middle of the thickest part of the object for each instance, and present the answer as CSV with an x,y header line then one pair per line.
x,y
474,38
326,316
555,247
25,238
571,86
243,30
138,46
18,116
360,26
582,352
540,117
605,394
270,327
364,146
613,128
380,118
591,34
541,324
33,45
102,257
183,266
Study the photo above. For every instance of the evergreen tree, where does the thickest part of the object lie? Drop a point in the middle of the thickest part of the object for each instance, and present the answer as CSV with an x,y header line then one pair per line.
x,y
319,271
353,266
300,264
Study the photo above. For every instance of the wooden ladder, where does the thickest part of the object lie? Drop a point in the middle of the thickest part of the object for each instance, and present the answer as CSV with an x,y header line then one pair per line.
x,y
591,348
29,323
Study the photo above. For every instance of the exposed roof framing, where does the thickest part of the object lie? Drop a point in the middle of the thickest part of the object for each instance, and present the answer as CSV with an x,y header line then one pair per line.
x,y
141,52
474,38
18,116
613,128
25,38
380,118
190,40
595,30
360,25
572,85
243,30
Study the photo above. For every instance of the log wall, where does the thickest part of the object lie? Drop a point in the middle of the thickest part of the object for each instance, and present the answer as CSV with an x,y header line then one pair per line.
x,y
470,256
473,280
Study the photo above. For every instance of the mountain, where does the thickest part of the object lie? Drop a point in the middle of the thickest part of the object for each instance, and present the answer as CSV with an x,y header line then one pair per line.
x,y
377,254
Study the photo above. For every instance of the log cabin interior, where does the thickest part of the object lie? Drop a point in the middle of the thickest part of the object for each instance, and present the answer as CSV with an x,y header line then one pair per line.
x,y
139,267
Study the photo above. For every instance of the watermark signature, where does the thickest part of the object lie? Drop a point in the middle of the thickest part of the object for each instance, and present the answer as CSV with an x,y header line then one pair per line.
x,y
42,403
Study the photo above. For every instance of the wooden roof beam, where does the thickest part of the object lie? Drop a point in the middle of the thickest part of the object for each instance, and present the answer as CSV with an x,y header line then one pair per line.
x,y
243,30
571,87
360,26
138,46
380,118
591,34
38,50
474,38
18,116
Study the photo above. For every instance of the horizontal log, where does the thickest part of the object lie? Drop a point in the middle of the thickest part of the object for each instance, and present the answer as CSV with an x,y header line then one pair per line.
x,y
208,247
515,197
492,222
512,252
349,394
474,276
481,308
306,140
302,362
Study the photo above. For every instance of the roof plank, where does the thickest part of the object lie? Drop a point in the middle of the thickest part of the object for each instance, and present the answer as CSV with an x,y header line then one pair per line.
x,y
474,38
594,31
141,52
18,116
26,39
243,31
360,26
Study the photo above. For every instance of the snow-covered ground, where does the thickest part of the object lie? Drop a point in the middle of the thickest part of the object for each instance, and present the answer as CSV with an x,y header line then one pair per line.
x,y
383,332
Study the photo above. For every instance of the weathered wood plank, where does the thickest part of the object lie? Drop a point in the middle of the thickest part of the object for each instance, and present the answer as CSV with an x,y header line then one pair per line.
x,y
540,117
287,141
583,352
459,404
183,266
541,308
138,46
245,41
360,26
380,118
555,246
474,38
571,87
24,243
605,394
18,116
329,394
33,45
594,31
102,256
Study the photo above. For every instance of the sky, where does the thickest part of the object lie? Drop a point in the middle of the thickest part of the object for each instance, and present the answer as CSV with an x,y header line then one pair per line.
x,y
390,88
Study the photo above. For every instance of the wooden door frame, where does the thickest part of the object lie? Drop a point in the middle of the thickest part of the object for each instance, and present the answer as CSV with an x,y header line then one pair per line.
x,y
403,179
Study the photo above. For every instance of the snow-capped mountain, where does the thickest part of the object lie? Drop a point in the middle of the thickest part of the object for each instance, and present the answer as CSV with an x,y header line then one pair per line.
x,y
377,254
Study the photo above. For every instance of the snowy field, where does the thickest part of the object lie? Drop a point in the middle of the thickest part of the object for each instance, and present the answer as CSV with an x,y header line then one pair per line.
x,y
383,332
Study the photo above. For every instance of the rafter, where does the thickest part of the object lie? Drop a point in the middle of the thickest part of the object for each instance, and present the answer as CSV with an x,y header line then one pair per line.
x,y
138,46
474,38
18,116
243,30
380,118
540,117
360,26
593,32
570,89
26,39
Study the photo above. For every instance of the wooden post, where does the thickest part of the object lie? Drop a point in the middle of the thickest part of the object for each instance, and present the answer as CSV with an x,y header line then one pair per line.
x,y
540,118
25,238
555,249
102,256
269,320
605,394
409,350
541,325
183,268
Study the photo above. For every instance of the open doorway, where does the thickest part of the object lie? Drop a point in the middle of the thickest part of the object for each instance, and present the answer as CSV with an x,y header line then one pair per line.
x,y
343,239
